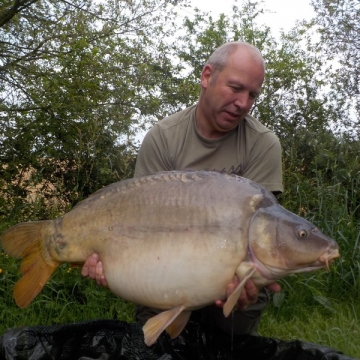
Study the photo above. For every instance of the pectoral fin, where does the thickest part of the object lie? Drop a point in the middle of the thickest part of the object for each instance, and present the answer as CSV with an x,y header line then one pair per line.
x,y
244,273
157,324
177,326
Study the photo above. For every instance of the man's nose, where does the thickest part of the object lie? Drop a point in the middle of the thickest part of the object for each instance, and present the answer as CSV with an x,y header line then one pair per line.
x,y
242,100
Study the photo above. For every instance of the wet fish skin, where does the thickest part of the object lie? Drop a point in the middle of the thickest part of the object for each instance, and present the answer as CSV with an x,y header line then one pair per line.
x,y
172,241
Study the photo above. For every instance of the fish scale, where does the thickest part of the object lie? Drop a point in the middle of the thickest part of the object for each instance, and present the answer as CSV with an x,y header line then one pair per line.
x,y
172,241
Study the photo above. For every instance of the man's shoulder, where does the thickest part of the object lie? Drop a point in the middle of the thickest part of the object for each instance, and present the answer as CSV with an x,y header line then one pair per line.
x,y
255,125
175,120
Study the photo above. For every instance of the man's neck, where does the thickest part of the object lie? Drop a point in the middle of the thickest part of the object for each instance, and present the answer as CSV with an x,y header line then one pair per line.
x,y
203,127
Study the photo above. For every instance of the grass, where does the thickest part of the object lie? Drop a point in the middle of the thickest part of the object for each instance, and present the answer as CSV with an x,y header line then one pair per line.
x,y
300,314
339,331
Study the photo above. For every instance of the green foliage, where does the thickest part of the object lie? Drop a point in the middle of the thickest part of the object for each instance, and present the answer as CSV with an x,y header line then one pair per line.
x,y
79,81
337,328
338,25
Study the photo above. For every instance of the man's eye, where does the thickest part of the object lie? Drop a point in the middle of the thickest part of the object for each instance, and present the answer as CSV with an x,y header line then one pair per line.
x,y
236,88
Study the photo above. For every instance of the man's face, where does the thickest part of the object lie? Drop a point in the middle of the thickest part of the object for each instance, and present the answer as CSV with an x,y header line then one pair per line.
x,y
228,95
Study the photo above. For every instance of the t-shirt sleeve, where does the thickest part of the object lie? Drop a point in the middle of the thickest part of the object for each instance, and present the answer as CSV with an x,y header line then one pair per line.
x,y
265,163
153,155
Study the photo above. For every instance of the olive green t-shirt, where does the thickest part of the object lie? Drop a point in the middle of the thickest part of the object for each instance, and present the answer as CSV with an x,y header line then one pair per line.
x,y
250,150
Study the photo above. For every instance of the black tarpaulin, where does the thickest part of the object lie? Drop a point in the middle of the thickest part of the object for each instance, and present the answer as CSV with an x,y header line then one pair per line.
x,y
111,339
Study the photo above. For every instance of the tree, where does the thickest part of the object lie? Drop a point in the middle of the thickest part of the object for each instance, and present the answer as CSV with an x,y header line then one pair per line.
x,y
10,9
337,22
339,28
77,80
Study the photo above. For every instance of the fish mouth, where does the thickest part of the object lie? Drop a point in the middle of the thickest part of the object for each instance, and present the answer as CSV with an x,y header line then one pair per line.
x,y
328,257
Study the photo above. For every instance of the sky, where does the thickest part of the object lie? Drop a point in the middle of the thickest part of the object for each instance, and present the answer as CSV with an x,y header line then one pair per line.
x,y
284,13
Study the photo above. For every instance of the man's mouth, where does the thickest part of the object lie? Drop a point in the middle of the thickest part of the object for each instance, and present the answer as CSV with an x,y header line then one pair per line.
x,y
233,115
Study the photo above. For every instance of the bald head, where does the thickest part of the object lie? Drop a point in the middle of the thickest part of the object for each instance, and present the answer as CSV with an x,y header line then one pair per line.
x,y
230,83
220,57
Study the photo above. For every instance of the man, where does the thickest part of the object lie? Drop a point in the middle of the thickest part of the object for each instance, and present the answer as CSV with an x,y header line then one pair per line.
x,y
217,134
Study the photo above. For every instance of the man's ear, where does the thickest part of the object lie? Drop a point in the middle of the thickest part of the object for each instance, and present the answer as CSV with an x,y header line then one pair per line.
x,y
206,76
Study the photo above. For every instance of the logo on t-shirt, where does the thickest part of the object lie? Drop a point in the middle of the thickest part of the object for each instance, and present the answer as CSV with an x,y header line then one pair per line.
x,y
233,170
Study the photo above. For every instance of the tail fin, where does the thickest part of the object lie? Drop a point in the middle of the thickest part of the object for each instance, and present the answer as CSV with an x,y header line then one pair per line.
x,y
25,241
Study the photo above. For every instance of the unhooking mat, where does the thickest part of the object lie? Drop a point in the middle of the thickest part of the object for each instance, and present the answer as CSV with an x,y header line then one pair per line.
x,y
115,340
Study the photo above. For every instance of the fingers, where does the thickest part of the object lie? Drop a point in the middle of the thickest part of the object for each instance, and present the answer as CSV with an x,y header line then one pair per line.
x,y
275,287
229,289
249,295
252,291
93,268
89,266
219,303
99,275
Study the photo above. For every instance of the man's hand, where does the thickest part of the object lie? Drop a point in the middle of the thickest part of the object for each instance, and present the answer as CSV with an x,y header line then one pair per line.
x,y
93,269
249,295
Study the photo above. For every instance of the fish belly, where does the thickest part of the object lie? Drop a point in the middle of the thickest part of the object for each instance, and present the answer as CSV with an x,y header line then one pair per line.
x,y
176,271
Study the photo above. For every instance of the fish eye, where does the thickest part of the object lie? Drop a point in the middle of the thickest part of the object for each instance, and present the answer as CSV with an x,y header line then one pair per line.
x,y
302,231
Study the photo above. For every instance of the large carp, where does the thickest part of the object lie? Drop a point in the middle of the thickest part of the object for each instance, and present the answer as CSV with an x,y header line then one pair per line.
x,y
172,241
